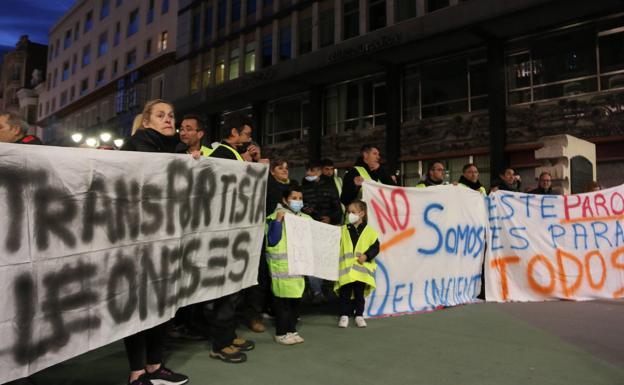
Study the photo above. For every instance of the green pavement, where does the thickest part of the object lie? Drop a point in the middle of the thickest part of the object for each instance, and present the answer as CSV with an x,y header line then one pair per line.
x,y
473,344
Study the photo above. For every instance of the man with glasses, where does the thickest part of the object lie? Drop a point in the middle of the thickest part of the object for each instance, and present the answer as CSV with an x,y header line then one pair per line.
x,y
544,185
435,175
226,346
191,133
236,144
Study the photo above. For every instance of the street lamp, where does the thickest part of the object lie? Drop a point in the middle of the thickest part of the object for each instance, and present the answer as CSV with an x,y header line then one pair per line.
x,y
105,136
91,142
77,137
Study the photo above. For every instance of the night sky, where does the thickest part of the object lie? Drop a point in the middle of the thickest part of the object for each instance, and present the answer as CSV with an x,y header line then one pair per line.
x,y
29,17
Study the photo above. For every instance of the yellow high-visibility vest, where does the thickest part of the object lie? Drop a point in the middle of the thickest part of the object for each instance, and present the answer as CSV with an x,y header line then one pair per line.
x,y
236,154
283,284
350,269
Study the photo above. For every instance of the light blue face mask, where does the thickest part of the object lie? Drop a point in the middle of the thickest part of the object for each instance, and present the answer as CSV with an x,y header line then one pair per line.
x,y
311,178
295,206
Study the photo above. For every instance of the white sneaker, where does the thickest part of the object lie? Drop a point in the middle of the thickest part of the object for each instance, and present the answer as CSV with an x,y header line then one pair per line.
x,y
360,322
344,321
286,339
296,337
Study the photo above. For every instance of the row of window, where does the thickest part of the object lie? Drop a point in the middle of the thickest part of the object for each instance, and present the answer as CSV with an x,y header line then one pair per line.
x,y
585,60
201,67
71,35
228,70
69,68
459,84
203,24
68,96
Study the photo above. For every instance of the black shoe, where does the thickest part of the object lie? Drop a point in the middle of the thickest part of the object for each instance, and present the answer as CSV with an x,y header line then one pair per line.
x,y
229,354
142,380
243,345
185,333
164,376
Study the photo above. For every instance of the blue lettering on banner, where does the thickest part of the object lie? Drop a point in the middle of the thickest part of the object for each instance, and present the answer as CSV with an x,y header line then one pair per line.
x,y
491,208
556,231
461,239
619,234
517,233
544,206
505,201
579,232
396,290
386,281
396,298
450,291
438,245
495,237
527,203
600,233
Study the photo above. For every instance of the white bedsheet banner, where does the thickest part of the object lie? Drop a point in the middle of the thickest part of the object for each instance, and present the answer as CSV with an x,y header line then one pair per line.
x,y
98,245
313,247
432,241
547,247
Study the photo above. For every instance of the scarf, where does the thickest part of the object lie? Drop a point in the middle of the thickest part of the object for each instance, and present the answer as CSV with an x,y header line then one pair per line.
x,y
473,185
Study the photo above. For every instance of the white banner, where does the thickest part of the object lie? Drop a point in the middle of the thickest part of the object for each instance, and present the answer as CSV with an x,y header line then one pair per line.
x,y
98,245
547,246
313,247
432,246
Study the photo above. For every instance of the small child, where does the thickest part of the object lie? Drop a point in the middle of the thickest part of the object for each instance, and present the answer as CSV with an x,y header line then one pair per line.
x,y
356,279
287,289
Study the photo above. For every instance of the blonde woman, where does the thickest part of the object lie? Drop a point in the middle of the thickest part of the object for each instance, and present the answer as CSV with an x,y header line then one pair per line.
x,y
157,131
137,124
145,348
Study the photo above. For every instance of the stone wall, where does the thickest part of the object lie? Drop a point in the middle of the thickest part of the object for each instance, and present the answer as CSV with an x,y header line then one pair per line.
x,y
294,151
344,147
583,117
462,132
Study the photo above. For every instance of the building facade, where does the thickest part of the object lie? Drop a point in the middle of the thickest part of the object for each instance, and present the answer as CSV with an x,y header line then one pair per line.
x,y
22,70
105,59
460,81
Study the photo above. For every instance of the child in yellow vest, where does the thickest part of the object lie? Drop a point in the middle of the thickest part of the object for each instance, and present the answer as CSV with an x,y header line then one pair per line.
x,y
286,288
359,246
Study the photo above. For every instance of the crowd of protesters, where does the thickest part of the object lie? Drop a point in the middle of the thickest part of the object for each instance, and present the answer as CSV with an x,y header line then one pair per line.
x,y
320,196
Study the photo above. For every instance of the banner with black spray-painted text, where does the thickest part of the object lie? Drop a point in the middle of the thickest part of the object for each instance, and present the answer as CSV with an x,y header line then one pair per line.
x,y
98,245
432,246
545,247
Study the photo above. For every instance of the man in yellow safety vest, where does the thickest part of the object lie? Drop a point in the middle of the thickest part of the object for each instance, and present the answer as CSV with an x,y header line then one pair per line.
x,y
367,167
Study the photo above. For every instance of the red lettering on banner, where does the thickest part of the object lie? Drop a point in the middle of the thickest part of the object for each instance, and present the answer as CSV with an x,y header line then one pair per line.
x,y
381,215
593,207
390,212
533,282
600,202
567,206
621,198
616,264
500,264
587,208
568,291
393,195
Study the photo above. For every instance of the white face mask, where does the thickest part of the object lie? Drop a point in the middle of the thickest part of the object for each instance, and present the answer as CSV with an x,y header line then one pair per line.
x,y
353,218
